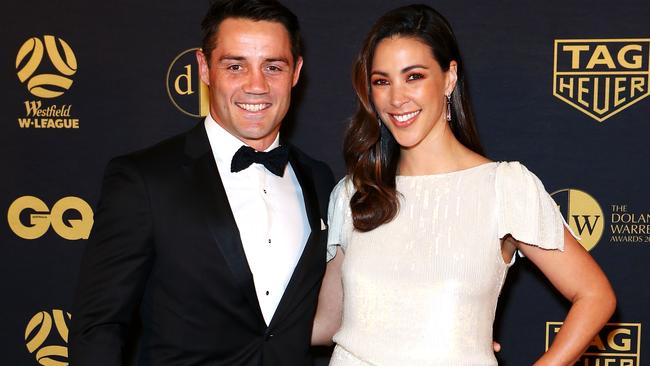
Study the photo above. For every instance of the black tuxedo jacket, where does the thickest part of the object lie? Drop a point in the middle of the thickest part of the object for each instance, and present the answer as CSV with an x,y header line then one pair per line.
x,y
165,244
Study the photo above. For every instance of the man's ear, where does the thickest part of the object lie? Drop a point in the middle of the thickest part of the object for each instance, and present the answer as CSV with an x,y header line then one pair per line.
x,y
204,68
296,71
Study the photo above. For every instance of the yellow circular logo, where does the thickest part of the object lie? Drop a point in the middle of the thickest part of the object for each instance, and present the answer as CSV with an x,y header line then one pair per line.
x,y
39,218
583,214
185,89
30,57
48,348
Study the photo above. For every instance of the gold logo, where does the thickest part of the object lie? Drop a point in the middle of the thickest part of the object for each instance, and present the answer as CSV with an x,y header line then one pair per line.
x,y
601,77
583,214
40,218
615,344
39,339
30,57
184,86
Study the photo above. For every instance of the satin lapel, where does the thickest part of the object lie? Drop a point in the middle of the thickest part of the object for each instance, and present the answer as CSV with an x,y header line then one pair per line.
x,y
218,214
306,272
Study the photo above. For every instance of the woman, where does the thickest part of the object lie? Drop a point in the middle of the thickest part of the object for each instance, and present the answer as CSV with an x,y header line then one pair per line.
x,y
424,228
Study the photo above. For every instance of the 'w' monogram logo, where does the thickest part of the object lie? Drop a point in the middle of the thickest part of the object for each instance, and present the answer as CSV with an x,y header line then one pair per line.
x,y
586,223
583,213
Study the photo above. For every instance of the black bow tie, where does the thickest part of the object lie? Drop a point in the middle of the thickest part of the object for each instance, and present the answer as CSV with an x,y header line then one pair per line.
x,y
274,161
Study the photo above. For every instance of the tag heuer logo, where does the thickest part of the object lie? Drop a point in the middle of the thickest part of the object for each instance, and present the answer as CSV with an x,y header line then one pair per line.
x,y
601,77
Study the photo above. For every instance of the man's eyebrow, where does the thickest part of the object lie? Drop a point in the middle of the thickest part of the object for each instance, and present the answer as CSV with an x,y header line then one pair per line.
x,y
231,58
242,58
277,59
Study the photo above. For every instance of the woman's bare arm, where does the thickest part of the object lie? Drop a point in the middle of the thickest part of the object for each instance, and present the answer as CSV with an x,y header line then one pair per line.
x,y
330,303
579,278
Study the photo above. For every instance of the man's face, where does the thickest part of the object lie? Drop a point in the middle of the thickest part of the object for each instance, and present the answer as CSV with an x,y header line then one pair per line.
x,y
250,73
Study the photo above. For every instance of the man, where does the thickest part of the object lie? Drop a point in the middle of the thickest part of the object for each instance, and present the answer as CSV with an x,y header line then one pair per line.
x,y
211,236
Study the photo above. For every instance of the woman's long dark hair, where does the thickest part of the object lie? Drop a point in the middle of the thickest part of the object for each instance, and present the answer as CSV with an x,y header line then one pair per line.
x,y
371,153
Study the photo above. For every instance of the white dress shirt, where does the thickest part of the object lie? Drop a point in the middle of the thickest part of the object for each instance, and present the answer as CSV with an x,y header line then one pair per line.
x,y
270,214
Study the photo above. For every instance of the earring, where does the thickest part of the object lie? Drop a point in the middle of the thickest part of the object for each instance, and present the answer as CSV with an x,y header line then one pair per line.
x,y
378,120
448,96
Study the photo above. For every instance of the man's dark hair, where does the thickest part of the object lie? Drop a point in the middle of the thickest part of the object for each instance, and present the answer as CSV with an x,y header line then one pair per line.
x,y
255,10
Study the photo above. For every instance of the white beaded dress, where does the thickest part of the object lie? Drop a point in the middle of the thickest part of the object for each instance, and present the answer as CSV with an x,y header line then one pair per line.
x,y
423,288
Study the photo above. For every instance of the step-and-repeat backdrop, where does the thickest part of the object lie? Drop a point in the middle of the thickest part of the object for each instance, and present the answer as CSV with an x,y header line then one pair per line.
x,y
561,86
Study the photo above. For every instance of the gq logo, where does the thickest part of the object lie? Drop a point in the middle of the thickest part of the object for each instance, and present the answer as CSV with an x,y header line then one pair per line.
x,y
184,86
601,77
583,214
616,344
46,84
40,338
39,218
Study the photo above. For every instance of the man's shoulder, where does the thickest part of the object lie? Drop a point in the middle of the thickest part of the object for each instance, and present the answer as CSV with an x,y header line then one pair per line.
x,y
321,173
308,160
168,152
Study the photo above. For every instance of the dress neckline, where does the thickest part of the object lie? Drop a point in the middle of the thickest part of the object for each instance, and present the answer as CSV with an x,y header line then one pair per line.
x,y
447,174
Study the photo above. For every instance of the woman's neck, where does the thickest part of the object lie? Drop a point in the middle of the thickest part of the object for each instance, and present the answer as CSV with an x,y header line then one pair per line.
x,y
442,153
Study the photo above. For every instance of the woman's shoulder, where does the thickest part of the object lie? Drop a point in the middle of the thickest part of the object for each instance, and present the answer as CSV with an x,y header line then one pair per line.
x,y
525,209
344,188
470,159
511,166
515,173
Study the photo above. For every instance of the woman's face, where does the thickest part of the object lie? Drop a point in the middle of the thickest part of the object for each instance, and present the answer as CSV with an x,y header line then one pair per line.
x,y
408,89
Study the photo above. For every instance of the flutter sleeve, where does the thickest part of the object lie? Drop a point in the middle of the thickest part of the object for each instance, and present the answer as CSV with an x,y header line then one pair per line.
x,y
525,210
339,217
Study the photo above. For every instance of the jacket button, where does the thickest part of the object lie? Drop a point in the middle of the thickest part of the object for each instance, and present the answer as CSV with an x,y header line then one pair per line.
x,y
268,336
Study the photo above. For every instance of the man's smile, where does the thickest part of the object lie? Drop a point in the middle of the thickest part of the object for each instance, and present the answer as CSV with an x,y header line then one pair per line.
x,y
253,107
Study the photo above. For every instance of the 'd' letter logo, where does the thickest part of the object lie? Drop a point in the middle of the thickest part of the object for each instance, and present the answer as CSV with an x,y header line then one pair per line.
x,y
46,84
601,77
583,214
184,86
